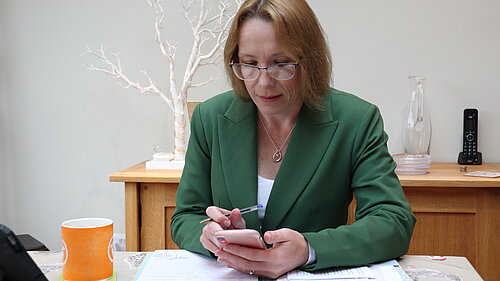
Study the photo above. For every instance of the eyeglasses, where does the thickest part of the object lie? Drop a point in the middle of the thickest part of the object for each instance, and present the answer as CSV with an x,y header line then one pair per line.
x,y
279,71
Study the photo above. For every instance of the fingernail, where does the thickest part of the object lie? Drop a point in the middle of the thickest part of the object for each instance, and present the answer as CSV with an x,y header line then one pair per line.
x,y
227,223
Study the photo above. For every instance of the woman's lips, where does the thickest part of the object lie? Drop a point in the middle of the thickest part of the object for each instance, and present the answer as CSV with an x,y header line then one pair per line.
x,y
269,98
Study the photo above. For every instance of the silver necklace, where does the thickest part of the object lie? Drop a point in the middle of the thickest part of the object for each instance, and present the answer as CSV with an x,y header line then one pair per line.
x,y
277,156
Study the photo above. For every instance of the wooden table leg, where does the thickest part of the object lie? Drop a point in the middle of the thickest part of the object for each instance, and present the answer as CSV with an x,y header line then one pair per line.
x,y
132,217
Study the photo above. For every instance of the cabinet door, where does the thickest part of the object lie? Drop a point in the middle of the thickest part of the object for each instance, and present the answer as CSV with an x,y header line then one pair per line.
x,y
446,221
157,207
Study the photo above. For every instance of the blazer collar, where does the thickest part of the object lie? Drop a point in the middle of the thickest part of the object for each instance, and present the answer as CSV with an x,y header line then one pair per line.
x,y
238,148
239,110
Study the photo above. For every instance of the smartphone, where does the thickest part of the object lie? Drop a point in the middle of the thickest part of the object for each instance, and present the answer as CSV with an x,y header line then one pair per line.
x,y
244,237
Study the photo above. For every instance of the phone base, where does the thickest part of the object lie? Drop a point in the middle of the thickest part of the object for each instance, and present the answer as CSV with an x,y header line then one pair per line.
x,y
464,159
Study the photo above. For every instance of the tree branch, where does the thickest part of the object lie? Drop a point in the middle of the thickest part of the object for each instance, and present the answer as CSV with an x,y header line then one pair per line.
x,y
209,30
203,83
116,72
216,27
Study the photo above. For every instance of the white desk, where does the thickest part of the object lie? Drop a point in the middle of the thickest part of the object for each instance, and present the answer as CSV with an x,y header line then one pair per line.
x,y
422,267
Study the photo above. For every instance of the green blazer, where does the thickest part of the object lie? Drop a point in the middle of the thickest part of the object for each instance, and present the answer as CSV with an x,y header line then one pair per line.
x,y
332,155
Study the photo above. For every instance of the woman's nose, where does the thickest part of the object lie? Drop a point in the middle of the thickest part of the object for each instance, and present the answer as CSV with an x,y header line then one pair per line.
x,y
264,79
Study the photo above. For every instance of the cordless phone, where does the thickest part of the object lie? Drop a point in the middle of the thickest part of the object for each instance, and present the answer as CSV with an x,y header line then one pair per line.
x,y
470,155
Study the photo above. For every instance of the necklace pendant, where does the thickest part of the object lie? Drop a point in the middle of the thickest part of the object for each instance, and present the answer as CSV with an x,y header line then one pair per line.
x,y
277,156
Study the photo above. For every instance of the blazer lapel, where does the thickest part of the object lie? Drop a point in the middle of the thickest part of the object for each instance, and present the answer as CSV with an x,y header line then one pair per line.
x,y
238,152
309,142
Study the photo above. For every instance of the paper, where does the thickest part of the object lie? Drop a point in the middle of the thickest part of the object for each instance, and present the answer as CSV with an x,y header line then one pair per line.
x,y
349,273
385,271
180,265
483,174
388,271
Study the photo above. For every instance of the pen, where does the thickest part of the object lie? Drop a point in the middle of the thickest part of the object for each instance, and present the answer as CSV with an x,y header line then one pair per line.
x,y
242,211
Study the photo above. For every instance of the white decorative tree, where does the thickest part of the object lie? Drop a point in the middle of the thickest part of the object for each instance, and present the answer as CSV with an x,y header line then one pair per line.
x,y
209,33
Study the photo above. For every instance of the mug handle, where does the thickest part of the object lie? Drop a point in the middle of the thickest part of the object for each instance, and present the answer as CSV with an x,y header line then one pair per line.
x,y
65,252
110,250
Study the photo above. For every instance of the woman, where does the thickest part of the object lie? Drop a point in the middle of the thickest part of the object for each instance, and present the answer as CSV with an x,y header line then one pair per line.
x,y
285,140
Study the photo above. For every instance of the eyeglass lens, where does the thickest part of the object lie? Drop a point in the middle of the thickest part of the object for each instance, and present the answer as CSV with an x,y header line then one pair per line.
x,y
278,72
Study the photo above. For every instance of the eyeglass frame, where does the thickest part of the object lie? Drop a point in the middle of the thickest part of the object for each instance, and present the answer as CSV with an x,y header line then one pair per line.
x,y
259,68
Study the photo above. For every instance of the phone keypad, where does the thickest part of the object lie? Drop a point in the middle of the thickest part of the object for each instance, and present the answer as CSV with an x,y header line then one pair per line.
x,y
470,145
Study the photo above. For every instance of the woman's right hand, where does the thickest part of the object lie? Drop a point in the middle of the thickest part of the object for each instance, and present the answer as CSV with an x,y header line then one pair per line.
x,y
220,222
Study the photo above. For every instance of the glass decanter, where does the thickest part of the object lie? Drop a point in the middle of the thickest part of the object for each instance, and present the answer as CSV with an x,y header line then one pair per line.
x,y
417,129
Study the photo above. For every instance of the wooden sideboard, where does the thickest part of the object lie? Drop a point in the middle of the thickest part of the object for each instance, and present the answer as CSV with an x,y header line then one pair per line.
x,y
457,215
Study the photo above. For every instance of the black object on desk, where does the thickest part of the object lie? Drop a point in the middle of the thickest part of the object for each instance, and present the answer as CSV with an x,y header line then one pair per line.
x,y
30,243
15,263
470,155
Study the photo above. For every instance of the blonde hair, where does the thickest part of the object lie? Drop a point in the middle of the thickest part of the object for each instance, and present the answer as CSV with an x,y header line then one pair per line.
x,y
302,38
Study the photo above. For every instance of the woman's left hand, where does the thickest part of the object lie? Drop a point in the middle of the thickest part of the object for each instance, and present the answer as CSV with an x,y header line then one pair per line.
x,y
290,250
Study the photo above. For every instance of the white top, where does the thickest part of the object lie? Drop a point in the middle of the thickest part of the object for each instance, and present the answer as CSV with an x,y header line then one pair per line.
x,y
264,187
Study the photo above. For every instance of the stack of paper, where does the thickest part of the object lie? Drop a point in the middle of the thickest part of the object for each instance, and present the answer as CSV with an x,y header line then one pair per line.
x,y
386,271
350,274
179,265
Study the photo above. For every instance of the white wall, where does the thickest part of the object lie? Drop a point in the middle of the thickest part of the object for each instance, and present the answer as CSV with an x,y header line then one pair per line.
x,y
377,44
64,130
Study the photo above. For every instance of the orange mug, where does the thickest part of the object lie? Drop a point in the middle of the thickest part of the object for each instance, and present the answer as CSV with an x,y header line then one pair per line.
x,y
87,249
